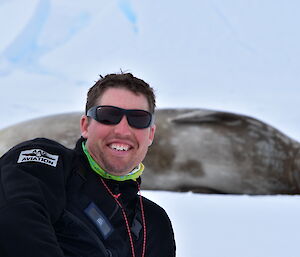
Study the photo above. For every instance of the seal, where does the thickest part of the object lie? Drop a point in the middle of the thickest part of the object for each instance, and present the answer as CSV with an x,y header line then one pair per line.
x,y
195,150
221,152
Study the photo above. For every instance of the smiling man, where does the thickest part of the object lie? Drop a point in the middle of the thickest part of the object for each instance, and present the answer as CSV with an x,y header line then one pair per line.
x,y
86,202
119,148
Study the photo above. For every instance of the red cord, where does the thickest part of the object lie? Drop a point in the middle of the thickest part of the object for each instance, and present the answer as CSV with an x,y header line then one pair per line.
x,y
126,219
143,220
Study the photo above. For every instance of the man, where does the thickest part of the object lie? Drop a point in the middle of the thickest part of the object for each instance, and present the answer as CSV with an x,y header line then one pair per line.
x,y
84,202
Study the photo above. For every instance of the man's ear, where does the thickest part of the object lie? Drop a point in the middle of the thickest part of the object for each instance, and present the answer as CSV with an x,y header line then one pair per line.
x,y
84,123
151,135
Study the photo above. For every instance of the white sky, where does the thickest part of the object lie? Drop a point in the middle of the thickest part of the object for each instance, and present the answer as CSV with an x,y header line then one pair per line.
x,y
236,55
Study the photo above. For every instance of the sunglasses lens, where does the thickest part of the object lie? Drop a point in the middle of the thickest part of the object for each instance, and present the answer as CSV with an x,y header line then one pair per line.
x,y
139,118
109,115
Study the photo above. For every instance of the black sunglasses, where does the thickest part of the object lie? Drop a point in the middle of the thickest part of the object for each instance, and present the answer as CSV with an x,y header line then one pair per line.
x,y
112,115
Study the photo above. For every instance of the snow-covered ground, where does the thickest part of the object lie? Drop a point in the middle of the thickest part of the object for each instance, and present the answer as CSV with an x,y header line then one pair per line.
x,y
236,55
232,226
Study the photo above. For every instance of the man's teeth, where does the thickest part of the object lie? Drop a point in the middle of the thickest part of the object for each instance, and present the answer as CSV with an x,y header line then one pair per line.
x,y
119,147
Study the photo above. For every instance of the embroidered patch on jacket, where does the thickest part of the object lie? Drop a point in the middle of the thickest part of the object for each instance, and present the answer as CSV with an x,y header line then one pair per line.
x,y
38,155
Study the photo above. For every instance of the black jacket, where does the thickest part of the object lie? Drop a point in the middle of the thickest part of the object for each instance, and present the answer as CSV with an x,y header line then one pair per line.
x,y
53,205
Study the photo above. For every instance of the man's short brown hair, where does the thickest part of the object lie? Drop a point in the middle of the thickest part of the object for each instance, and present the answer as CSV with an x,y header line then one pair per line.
x,y
122,80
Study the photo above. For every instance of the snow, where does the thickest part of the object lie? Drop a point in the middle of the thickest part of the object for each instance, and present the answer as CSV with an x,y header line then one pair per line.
x,y
232,225
237,56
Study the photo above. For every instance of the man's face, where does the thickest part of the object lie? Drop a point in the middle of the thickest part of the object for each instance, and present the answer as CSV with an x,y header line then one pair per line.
x,y
119,148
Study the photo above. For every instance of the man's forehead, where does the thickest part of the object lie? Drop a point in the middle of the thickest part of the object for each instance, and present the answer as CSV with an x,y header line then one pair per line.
x,y
112,95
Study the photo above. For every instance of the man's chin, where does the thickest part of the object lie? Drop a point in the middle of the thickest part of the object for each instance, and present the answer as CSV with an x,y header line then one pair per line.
x,y
119,170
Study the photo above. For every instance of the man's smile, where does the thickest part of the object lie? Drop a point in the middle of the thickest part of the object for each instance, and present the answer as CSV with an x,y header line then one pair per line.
x,y
120,147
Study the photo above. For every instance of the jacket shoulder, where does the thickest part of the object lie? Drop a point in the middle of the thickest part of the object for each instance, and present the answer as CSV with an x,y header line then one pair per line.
x,y
36,169
157,212
37,145
162,239
39,141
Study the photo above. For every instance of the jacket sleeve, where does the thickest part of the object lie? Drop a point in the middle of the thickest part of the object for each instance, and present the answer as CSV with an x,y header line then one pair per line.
x,y
32,197
160,235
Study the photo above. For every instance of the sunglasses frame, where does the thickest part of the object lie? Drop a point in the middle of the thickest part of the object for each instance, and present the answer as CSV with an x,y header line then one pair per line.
x,y
92,112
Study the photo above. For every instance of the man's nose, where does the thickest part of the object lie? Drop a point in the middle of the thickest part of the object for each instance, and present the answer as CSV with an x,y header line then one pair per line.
x,y
123,128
